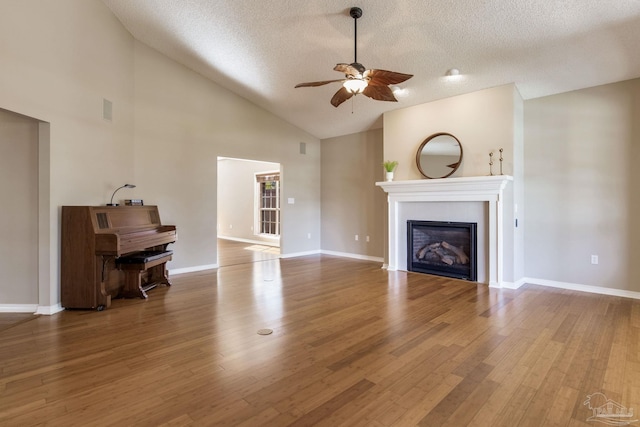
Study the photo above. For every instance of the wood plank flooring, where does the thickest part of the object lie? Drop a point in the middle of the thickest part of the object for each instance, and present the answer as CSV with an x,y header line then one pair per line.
x,y
231,252
352,345
8,320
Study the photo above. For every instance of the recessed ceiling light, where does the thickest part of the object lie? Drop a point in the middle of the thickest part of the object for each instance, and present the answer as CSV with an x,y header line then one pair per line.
x,y
397,90
452,72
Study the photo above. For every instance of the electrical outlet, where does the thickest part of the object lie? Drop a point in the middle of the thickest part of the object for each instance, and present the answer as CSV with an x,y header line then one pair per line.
x,y
594,259
356,237
308,235
367,239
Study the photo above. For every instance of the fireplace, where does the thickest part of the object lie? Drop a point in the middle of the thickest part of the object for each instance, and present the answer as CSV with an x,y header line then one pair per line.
x,y
442,248
413,199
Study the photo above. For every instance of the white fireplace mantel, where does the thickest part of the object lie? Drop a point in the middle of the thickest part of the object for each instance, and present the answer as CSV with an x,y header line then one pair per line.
x,y
465,189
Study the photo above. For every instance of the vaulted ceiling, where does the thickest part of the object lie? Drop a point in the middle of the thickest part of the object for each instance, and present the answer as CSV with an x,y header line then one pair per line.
x,y
262,49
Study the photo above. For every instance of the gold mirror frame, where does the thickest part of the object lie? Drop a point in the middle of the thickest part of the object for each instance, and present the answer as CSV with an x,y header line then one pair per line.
x,y
447,152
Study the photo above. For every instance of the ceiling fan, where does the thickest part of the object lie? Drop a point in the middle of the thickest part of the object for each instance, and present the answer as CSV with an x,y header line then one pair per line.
x,y
371,83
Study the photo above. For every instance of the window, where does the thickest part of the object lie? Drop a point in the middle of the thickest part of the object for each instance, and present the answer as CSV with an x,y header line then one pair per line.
x,y
268,203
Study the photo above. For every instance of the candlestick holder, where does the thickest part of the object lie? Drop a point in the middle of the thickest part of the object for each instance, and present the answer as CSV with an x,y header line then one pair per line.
x,y
501,161
491,163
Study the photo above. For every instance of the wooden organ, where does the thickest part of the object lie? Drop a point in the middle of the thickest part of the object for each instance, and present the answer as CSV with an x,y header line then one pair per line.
x,y
110,251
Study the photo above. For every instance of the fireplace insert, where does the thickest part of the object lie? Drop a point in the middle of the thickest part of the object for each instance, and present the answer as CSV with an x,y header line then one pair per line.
x,y
442,248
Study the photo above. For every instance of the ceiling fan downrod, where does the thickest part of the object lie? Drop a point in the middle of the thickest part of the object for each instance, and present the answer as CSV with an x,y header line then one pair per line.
x,y
355,13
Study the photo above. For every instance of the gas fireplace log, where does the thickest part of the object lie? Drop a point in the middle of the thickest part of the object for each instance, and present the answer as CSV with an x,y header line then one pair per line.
x,y
423,251
443,252
445,257
462,257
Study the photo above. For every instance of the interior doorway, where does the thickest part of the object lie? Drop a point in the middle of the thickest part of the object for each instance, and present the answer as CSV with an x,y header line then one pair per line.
x,y
248,213
19,180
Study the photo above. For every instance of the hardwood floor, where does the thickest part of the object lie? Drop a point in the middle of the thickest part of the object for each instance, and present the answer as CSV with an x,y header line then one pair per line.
x,y
352,345
8,320
231,252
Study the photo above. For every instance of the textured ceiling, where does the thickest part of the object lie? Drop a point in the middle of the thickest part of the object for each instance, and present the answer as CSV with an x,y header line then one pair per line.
x,y
262,49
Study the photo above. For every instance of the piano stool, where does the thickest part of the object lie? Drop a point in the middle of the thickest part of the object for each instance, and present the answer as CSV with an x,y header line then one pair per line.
x,y
135,265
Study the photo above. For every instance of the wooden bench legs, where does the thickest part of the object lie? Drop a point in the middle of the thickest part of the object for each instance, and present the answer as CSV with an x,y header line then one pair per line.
x,y
134,287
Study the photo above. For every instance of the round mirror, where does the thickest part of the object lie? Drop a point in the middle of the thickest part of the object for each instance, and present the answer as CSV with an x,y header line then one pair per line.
x,y
439,155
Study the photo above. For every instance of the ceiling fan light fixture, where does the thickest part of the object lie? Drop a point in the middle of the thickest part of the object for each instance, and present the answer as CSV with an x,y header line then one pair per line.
x,y
355,85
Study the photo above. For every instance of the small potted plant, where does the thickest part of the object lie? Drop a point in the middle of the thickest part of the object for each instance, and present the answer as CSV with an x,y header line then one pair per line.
x,y
389,167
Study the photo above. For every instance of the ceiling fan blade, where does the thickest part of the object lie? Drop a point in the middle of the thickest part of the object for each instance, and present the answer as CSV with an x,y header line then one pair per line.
x,y
385,78
340,96
348,69
314,84
379,93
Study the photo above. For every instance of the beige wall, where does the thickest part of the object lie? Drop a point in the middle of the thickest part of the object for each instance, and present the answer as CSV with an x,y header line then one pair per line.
x,y
351,202
518,189
581,154
19,212
183,123
61,59
483,121
237,198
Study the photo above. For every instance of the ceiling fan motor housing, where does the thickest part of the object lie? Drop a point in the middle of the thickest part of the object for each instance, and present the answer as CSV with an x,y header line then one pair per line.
x,y
358,67
355,12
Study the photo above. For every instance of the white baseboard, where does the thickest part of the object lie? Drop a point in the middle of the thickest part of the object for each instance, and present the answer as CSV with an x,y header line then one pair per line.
x,y
334,253
48,310
18,308
582,288
354,256
297,254
192,269
272,242
513,285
